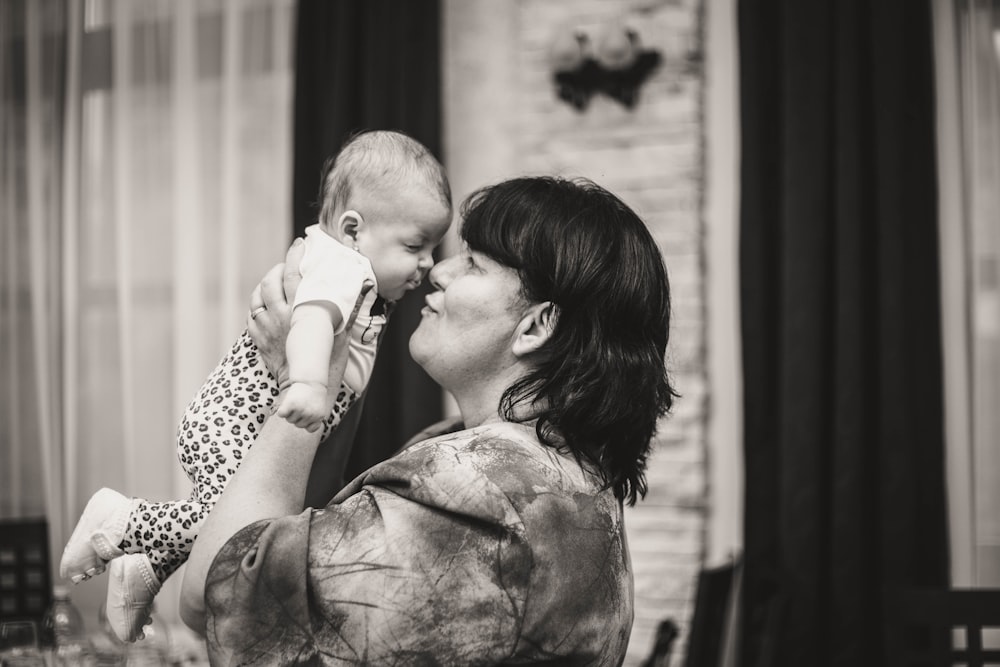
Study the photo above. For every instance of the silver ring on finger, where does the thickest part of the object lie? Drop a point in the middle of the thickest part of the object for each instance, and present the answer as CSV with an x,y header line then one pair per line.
x,y
257,311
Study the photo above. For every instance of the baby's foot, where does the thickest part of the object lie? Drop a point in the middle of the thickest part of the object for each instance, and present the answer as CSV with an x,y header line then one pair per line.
x,y
96,537
132,585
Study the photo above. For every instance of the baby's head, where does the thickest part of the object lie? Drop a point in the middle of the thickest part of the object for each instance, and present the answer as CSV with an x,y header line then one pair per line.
x,y
389,198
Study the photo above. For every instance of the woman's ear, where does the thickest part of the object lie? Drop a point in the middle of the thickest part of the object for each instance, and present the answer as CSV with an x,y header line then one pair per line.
x,y
535,328
348,226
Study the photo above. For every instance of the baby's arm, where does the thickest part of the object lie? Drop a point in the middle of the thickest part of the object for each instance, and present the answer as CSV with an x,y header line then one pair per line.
x,y
310,341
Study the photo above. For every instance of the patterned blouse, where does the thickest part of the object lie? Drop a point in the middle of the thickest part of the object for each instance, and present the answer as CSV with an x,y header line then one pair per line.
x,y
481,547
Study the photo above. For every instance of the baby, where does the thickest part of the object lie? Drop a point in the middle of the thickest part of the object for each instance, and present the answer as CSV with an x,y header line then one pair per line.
x,y
386,204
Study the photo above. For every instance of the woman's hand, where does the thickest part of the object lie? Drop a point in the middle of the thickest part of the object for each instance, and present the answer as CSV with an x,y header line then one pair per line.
x,y
275,294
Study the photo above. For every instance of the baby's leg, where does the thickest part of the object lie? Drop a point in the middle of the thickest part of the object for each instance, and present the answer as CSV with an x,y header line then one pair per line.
x,y
164,532
218,428
224,419
157,541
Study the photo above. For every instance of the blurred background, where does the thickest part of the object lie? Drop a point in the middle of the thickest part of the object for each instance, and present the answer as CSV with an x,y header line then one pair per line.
x,y
823,180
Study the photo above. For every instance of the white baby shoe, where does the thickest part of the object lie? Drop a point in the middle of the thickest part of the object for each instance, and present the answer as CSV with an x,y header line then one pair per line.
x,y
132,585
96,537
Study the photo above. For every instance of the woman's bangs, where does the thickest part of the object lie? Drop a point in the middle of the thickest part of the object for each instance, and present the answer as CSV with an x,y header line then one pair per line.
x,y
498,228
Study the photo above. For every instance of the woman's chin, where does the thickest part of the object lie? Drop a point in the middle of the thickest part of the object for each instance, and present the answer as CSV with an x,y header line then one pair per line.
x,y
415,347
421,343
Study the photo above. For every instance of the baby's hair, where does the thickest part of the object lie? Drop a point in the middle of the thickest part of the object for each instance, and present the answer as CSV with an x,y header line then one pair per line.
x,y
380,160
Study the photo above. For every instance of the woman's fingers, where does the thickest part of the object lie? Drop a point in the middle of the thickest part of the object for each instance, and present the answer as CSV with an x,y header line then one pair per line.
x,y
267,300
272,291
292,276
256,307
271,310
278,287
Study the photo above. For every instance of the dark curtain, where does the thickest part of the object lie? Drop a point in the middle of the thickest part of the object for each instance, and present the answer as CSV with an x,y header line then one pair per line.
x,y
365,65
840,324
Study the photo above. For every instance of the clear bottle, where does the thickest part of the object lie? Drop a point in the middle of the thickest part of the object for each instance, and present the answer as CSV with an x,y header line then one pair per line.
x,y
109,650
64,627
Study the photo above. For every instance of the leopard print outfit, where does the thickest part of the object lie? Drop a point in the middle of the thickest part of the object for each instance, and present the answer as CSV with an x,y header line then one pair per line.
x,y
218,428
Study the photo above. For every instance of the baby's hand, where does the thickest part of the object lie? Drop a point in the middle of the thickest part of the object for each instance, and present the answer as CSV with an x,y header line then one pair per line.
x,y
305,405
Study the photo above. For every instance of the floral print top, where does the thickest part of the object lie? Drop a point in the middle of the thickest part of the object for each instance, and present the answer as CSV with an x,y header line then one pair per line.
x,y
481,547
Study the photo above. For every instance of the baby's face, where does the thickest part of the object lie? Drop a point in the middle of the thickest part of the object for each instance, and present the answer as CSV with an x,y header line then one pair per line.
x,y
398,238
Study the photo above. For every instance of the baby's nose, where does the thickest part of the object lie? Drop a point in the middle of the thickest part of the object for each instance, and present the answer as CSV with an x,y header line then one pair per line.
x,y
440,274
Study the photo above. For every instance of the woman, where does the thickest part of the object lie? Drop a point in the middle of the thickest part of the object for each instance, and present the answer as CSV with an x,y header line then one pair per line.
x,y
499,543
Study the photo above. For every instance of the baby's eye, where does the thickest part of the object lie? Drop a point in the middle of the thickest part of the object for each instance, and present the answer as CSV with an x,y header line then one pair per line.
x,y
414,247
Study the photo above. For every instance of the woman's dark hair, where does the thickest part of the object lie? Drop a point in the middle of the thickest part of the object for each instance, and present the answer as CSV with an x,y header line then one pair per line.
x,y
599,384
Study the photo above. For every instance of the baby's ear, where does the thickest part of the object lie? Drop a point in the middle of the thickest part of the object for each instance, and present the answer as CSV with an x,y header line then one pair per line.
x,y
349,224
535,328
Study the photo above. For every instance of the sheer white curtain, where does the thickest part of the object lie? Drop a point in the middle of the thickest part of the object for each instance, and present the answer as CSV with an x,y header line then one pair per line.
x,y
177,177
32,79
968,41
979,34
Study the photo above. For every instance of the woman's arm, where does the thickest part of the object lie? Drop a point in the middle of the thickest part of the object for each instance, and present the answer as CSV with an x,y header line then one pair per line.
x,y
271,481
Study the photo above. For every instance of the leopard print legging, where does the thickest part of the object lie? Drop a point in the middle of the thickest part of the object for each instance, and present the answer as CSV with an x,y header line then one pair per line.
x,y
218,428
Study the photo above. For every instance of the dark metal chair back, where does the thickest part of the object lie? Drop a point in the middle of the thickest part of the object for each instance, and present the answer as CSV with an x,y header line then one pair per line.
x,y
942,627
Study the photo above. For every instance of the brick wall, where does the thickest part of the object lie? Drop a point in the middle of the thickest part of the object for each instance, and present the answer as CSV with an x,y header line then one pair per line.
x,y
503,118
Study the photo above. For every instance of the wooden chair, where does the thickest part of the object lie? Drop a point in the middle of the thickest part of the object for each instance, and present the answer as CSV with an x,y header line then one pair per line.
x,y
942,627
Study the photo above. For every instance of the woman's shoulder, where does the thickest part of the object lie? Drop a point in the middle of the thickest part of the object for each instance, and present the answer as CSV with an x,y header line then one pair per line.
x,y
497,465
537,506
496,449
